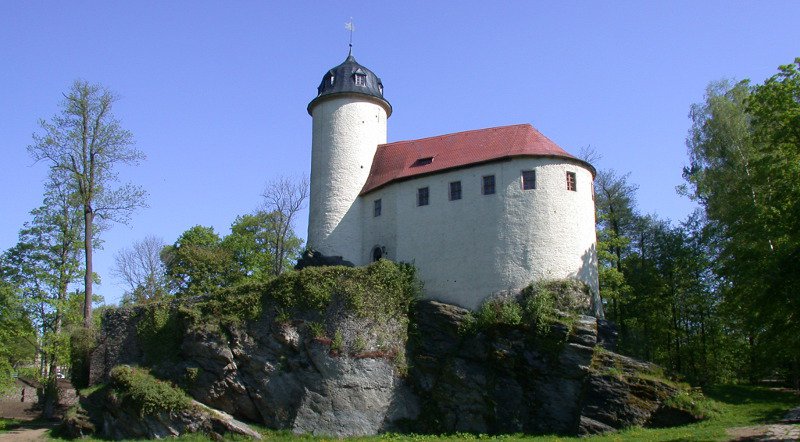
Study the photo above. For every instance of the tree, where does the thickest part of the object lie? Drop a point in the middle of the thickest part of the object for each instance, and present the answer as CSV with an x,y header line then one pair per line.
x,y
141,268
615,201
42,265
283,200
83,144
744,148
198,263
16,335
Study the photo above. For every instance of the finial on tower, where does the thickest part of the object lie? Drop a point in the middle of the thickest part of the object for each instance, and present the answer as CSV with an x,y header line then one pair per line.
x,y
350,27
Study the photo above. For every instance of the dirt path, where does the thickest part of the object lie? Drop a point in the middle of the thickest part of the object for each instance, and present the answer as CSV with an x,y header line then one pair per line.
x,y
26,432
785,430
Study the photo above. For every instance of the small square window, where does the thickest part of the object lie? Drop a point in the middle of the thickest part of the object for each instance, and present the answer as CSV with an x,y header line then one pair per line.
x,y
422,196
376,209
455,190
488,185
528,179
361,80
571,183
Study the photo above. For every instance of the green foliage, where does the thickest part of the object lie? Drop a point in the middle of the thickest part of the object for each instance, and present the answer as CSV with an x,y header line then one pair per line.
x,y
231,305
83,145
82,341
258,241
147,395
198,263
317,329
192,373
381,290
538,306
16,335
160,332
359,344
500,311
337,343
694,402
744,148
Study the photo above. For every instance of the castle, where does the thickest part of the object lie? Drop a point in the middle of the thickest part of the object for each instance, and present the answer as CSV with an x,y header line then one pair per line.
x,y
478,212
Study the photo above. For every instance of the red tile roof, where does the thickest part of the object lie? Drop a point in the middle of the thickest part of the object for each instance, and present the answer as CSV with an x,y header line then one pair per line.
x,y
406,159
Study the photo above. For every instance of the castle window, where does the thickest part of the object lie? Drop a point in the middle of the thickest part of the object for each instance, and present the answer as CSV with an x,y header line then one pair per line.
x,y
377,253
488,185
422,196
376,209
571,183
361,79
528,179
455,190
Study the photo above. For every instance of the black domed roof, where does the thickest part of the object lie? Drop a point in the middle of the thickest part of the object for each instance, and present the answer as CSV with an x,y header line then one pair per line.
x,y
348,78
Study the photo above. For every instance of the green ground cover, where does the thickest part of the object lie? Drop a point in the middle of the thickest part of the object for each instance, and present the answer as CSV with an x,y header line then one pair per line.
x,y
6,424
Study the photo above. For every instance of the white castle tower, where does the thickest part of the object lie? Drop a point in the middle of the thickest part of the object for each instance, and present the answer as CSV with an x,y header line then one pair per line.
x,y
349,122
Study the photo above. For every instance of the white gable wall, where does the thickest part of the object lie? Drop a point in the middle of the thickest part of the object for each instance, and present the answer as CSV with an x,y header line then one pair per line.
x,y
468,249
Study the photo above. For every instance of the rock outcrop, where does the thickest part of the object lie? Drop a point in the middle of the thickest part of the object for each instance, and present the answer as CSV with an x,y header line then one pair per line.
x,y
338,373
508,380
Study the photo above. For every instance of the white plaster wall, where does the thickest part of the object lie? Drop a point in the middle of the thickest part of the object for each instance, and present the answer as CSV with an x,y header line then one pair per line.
x,y
468,249
346,132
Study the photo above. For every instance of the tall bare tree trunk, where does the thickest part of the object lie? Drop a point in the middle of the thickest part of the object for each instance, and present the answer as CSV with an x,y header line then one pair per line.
x,y
88,217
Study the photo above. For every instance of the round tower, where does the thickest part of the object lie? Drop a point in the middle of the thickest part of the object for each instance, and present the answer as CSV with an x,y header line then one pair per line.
x,y
349,122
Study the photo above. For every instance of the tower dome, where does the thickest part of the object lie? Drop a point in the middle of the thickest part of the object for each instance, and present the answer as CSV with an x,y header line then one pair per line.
x,y
351,78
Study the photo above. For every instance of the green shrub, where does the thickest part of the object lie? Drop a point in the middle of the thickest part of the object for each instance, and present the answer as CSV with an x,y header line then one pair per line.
x,y
539,307
359,344
147,395
337,344
499,311
317,329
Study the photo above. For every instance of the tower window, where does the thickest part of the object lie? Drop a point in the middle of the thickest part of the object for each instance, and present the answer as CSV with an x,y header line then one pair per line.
x,y
361,80
377,253
571,183
488,185
376,209
422,196
528,179
455,190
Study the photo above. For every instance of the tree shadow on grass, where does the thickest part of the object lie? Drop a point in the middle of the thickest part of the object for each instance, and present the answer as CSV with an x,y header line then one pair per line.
x,y
764,404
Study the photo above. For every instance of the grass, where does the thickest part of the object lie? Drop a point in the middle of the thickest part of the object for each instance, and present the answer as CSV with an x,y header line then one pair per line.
x,y
738,406
7,424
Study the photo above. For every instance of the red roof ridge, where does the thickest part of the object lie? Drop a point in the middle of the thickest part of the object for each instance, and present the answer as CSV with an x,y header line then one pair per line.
x,y
399,160
460,133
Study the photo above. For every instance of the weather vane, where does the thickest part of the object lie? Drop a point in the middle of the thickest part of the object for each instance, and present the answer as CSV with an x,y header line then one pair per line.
x,y
350,27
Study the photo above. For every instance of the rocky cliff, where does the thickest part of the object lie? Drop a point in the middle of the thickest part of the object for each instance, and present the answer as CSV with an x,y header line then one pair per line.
x,y
363,358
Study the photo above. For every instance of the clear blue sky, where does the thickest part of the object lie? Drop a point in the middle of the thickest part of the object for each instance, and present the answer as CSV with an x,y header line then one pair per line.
x,y
216,92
